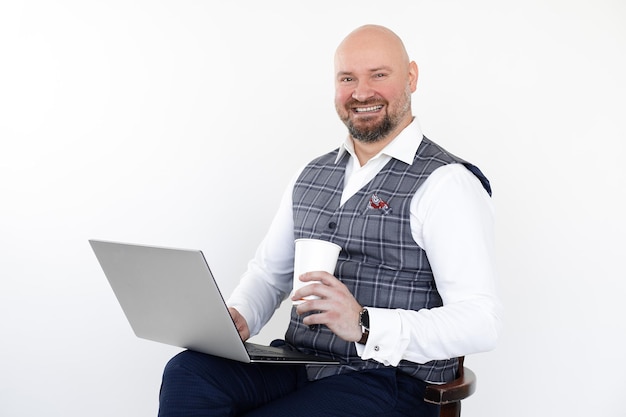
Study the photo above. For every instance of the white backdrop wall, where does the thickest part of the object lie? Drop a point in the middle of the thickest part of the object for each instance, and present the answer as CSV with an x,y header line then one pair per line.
x,y
178,123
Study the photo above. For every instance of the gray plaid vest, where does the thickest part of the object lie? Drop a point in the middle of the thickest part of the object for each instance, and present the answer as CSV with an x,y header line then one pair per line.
x,y
380,262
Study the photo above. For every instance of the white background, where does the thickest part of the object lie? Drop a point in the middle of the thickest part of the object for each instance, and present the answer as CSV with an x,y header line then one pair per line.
x,y
178,123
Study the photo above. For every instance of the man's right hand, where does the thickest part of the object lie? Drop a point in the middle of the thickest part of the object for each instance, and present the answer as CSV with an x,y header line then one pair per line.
x,y
240,323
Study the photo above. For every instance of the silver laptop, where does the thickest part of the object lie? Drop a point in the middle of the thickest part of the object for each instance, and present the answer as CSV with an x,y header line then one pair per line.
x,y
170,296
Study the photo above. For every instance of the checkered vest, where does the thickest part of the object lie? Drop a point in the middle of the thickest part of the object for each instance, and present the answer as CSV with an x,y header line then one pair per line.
x,y
380,262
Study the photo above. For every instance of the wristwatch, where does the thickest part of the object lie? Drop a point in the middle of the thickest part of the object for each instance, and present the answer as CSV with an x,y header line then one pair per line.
x,y
364,322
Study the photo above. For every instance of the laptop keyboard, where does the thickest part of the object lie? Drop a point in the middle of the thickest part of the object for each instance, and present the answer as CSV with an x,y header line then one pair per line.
x,y
267,351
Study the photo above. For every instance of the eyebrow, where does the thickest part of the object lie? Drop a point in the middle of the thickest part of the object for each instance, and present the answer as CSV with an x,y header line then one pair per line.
x,y
382,68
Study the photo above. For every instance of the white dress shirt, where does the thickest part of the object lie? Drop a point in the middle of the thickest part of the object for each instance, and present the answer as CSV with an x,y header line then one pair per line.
x,y
452,219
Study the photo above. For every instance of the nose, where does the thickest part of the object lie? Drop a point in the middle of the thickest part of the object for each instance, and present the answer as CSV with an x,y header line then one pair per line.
x,y
363,91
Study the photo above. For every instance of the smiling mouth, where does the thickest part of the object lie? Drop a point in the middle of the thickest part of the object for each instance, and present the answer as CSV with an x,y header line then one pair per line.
x,y
369,109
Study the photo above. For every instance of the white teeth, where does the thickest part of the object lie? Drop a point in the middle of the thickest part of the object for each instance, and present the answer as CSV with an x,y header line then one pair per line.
x,y
364,109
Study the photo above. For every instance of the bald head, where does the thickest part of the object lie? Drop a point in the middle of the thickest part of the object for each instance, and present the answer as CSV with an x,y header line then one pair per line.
x,y
373,39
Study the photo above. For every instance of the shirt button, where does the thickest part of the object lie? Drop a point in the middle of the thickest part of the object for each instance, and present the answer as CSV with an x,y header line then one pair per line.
x,y
376,348
332,225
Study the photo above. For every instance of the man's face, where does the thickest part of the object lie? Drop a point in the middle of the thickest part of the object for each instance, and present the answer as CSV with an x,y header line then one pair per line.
x,y
373,89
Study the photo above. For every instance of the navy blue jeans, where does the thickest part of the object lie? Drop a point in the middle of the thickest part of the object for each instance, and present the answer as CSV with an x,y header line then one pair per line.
x,y
199,385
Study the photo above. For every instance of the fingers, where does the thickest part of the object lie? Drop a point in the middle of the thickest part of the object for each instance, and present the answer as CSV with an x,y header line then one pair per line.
x,y
240,323
343,320
325,287
315,277
322,276
336,307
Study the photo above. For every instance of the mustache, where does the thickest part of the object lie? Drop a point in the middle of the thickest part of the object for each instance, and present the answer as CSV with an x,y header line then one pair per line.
x,y
371,102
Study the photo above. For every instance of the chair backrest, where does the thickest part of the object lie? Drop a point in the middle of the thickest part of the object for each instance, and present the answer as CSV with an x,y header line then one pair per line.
x,y
449,395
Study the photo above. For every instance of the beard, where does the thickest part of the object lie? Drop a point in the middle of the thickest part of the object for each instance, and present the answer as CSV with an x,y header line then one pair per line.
x,y
371,133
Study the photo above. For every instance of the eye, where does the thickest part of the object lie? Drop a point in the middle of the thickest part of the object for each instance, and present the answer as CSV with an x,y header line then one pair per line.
x,y
346,79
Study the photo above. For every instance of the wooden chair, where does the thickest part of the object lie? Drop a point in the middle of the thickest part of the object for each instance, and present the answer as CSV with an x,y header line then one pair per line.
x,y
449,395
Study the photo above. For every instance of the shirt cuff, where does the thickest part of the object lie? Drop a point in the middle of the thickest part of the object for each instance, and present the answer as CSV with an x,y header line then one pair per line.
x,y
384,343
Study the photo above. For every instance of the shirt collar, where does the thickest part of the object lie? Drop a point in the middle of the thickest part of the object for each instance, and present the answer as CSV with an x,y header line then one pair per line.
x,y
403,147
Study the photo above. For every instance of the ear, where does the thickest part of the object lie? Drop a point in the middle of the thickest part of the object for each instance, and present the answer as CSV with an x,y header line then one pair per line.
x,y
413,75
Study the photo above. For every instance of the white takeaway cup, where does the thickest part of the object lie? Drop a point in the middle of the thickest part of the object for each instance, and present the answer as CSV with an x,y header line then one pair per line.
x,y
313,255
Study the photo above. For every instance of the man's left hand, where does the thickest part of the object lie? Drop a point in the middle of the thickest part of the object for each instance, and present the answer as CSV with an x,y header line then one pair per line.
x,y
337,308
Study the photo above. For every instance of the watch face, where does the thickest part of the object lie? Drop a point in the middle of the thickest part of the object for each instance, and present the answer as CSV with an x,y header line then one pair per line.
x,y
364,318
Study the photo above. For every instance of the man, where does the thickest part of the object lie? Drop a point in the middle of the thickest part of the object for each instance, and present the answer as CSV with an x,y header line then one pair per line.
x,y
414,284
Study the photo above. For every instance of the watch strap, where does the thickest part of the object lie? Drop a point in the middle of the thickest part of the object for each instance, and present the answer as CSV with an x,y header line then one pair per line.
x,y
364,322
364,337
